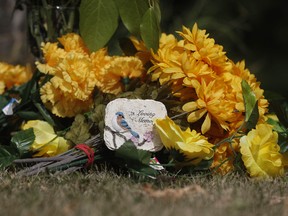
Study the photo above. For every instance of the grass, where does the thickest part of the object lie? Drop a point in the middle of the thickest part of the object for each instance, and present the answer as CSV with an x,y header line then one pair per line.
x,y
107,193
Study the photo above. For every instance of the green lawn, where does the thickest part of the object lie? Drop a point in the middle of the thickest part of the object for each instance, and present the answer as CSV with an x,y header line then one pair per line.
x,y
107,193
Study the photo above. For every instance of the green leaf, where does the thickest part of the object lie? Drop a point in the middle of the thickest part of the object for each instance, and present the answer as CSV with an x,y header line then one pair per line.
x,y
23,140
277,126
27,89
253,119
3,102
7,156
146,171
282,134
157,10
136,160
43,111
28,115
79,130
98,22
130,153
150,29
131,13
283,142
251,106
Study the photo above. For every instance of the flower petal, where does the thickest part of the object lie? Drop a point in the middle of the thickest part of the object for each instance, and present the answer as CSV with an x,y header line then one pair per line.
x,y
206,124
190,106
260,152
196,115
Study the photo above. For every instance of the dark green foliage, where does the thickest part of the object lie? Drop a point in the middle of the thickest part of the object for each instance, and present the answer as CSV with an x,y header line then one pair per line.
x,y
79,130
22,140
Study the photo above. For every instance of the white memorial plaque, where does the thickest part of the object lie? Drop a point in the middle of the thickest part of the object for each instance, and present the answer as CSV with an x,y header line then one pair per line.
x,y
132,119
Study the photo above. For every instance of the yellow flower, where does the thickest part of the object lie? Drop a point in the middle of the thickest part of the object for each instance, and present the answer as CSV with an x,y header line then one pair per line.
x,y
62,104
99,59
73,42
205,49
117,72
52,55
240,72
180,61
260,152
145,55
69,91
167,60
234,93
223,159
200,72
212,103
106,82
11,75
75,71
195,70
185,146
46,143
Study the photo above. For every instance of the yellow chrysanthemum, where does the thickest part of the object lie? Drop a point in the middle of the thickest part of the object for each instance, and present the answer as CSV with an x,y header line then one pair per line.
x,y
167,60
260,152
112,77
126,67
145,55
72,85
62,104
73,42
75,71
212,103
240,73
200,72
46,142
192,60
223,159
185,146
234,92
11,75
99,59
205,49
76,74
195,70
52,55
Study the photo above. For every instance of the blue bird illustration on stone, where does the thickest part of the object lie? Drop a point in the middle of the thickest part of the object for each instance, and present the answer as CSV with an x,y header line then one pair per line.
x,y
119,124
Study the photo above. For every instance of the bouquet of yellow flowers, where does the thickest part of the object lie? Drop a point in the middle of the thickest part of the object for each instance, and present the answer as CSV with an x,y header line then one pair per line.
x,y
169,103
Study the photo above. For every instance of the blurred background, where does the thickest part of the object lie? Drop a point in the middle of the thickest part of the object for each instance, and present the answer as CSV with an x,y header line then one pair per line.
x,y
256,31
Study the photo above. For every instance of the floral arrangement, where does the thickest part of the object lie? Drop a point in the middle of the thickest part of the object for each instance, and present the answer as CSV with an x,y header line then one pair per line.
x,y
217,116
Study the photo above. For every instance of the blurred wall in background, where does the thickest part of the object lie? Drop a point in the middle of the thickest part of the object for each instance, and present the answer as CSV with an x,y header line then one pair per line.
x,y
13,46
256,31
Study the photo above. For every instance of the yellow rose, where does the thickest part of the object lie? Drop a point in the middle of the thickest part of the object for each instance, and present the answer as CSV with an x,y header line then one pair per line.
x,y
260,152
46,142
184,146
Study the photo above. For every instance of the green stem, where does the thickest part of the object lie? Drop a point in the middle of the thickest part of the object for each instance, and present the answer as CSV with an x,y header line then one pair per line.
x,y
49,20
71,21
